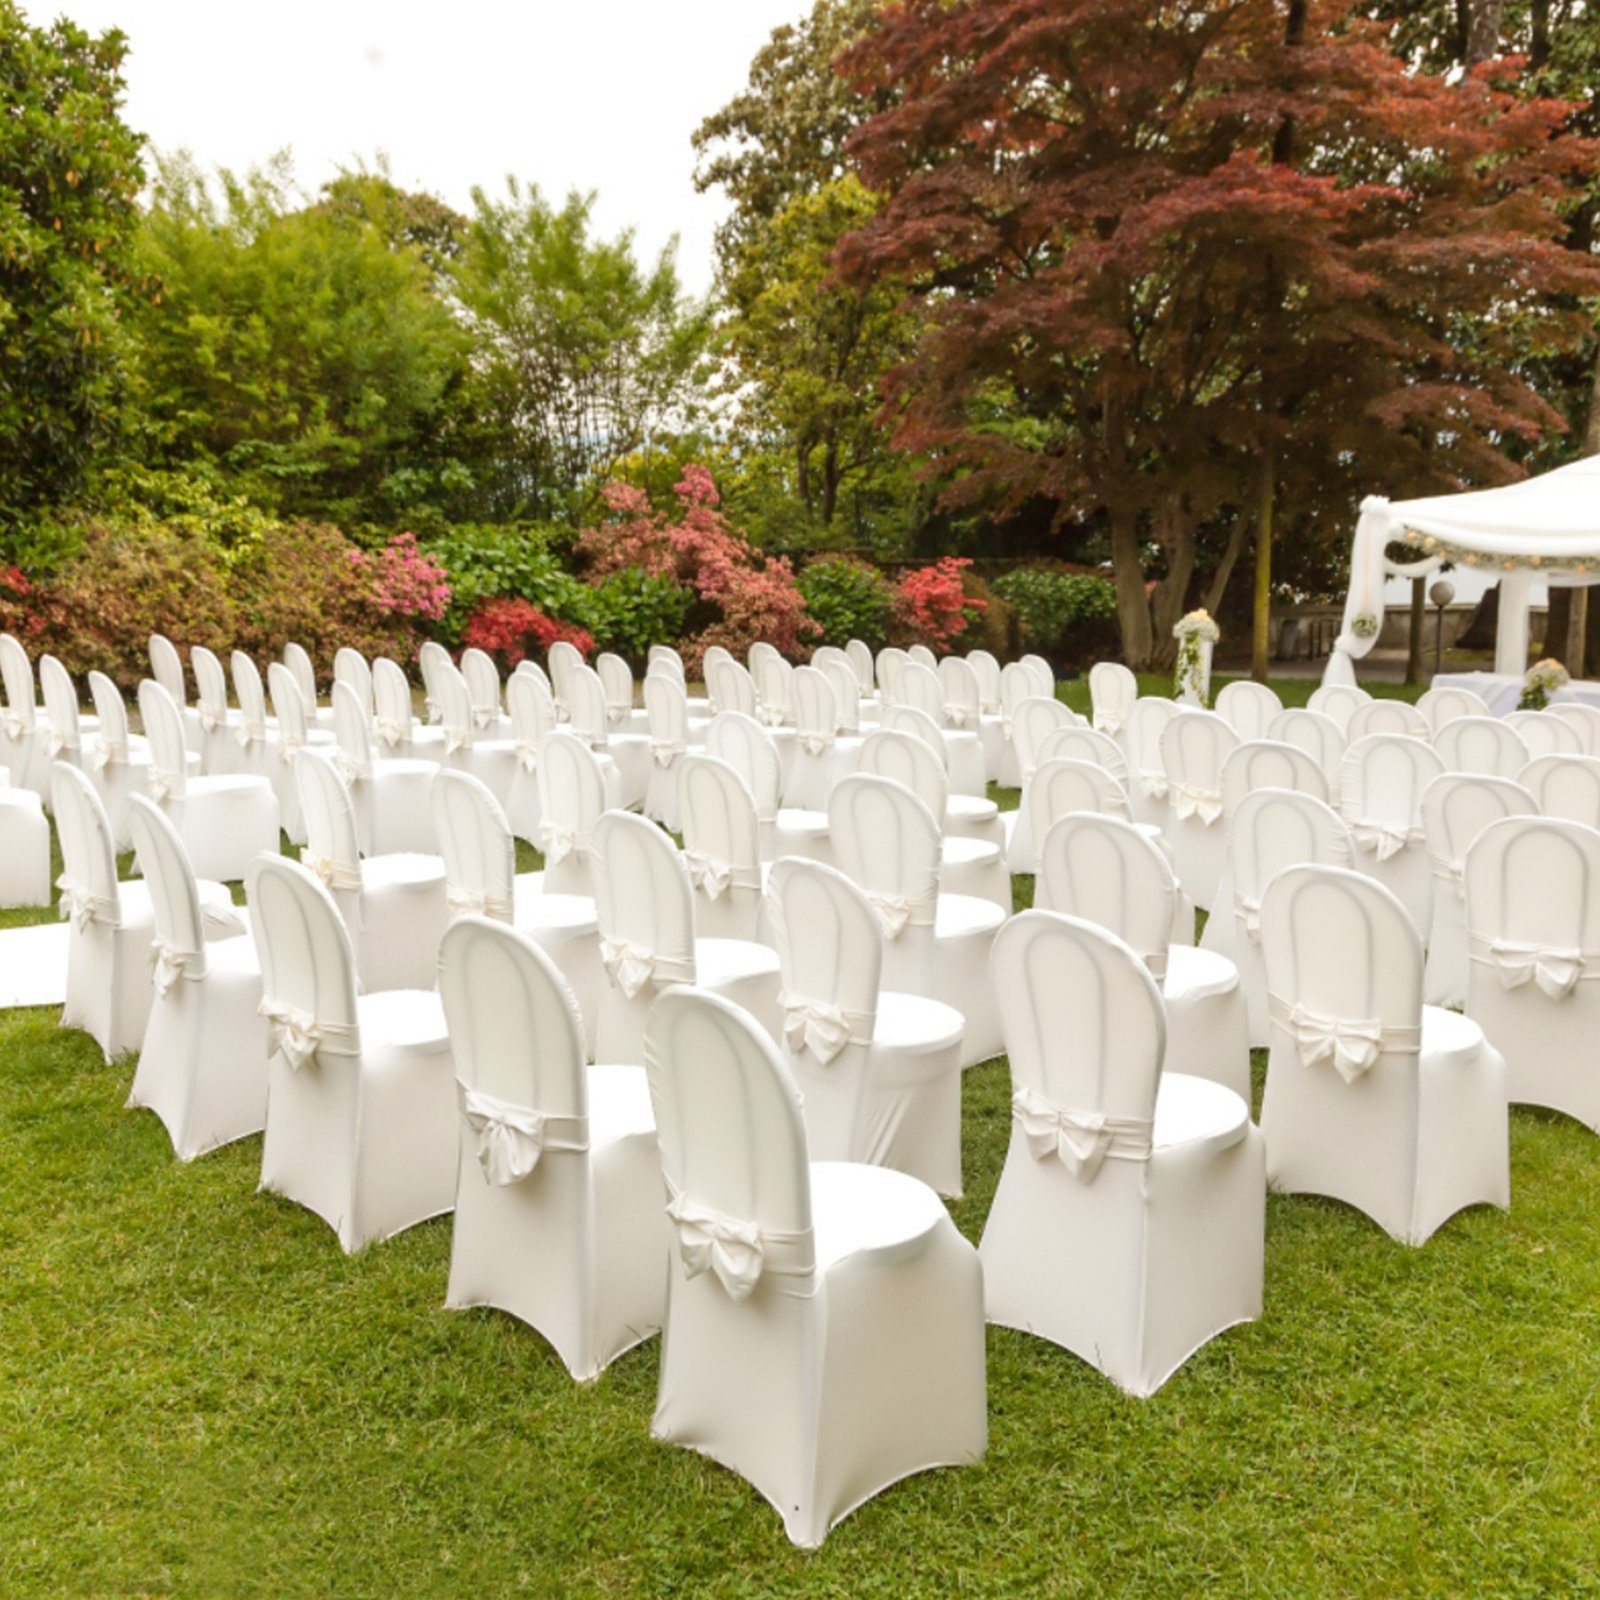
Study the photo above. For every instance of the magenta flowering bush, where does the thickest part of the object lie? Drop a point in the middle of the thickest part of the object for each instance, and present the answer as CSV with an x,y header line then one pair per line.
x,y
404,580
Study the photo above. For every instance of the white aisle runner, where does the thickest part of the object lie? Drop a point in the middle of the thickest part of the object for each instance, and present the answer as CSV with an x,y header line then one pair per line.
x,y
33,965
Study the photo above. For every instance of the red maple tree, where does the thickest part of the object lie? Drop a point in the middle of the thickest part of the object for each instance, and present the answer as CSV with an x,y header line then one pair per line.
x,y
1177,260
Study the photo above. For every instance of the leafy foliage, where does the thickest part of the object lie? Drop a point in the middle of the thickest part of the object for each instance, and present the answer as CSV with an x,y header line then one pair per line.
x,y
848,599
933,605
629,610
1061,612
513,630
70,169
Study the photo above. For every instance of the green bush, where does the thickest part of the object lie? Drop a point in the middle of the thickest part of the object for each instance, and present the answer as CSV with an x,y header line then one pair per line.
x,y
1061,613
848,599
512,561
630,610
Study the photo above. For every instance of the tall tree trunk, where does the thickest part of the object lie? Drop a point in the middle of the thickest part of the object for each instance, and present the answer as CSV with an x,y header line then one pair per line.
x,y
1557,623
1133,604
1261,619
1591,434
1480,632
1419,620
1539,27
1483,30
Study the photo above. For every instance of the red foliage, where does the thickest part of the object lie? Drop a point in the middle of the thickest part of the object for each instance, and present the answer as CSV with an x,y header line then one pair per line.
x,y
510,630
749,596
931,605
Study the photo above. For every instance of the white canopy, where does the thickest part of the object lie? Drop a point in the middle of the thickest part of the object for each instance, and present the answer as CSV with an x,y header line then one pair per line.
x,y
1541,528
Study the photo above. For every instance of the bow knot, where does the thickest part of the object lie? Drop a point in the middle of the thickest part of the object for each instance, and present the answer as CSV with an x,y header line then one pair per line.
x,y
160,784
1248,909
169,964
83,908
820,1027
455,740
512,1138
1384,839
391,730
299,1037
247,733
771,715
559,840
1350,1045
894,909
1189,801
1556,970
1079,1140
1153,784
15,725
210,718
815,743
352,768
710,1240
629,966
666,751
1108,723
712,878
101,752
477,903
527,755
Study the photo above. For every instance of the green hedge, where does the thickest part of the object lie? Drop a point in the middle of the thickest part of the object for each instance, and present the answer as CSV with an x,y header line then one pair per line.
x,y
1061,613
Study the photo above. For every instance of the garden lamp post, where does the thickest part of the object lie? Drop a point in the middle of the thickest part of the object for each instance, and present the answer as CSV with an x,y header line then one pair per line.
x,y
1442,593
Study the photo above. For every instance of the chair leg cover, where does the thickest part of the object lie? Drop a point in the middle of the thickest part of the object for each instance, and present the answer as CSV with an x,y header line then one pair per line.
x,y
1137,1270
575,1249
203,1068
1412,1141
108,983
24,850
910,1117
369,1144
1548,1045
225,828
822,1401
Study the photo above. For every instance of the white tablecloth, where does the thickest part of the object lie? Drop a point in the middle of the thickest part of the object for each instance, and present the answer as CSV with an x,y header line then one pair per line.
x,y
1501,691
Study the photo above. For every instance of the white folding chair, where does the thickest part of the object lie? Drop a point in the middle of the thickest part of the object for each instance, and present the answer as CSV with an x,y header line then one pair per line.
x,y
1381,783
481,879
1112,692
297,662
1565,786
919,687
203,1061
224,819
64,739
294,734
879,1072
1444,705
1044,675
967,864
890,662
721,848
771,675
361,1098
390,793
887,841
1017,683
1456,808
730,686
963,709
1129,1223
254,732
1372,1097
849,1273
748,748
1484,745
1268,830
986,666
560,659
1546,735
1339,701
393,904
558,1197
1386,716
1533,929
1195,745
353,669
1101,868
860,655
970,815
1248,708
431,655
923,656
166,667
648,943
24,734
846,688
616,680
1317,734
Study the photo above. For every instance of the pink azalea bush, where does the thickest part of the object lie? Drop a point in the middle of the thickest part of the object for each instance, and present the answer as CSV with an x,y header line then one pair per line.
x,y
744,595
932,606
404,580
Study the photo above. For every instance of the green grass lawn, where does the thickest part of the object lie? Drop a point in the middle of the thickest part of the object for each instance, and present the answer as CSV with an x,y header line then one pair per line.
x,y
200,1396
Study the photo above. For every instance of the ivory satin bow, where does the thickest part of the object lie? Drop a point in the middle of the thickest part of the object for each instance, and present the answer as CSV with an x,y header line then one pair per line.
x,y
1153,784
711,1240
1351,1045
1080,1140
483,717
101,752
512,1138
15,726
629,966
333,873
1187,801
1248,910
57,740
559,841
160,784
390,731
210,718
1108,723
958,716
666,751
1555,969
527,755
895,910
298,1037
169,964
820,1027
712,878
1383,839
288,746
85,909
247,734
771,715
815,744
477,903
352,768
455,740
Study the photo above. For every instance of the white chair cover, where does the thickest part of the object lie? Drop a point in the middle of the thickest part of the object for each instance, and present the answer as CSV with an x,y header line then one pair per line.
x,y
1194,747
1112,692
488,756
1248,708
1147,774
1394,1107
483,689
390,793
1484,745
572,796
852,1274
748,748
1546,735
1444,705
1381,783
1129,1222
118,760
1585,719
1317,734
666,707
1386,716
721,848
532,709
861,659
1339,701
1565,786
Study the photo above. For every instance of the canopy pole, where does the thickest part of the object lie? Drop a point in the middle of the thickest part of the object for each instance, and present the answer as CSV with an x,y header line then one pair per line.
x,y
1511,633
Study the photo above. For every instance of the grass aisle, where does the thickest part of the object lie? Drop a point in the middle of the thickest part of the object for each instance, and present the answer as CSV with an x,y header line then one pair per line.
x,y
200,1396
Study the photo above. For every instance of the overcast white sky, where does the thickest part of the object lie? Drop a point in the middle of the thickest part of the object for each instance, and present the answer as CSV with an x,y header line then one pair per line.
x,y
599,95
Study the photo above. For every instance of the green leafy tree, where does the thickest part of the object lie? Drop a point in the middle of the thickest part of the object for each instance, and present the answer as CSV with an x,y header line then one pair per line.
x,y
582,357
300,348
70,169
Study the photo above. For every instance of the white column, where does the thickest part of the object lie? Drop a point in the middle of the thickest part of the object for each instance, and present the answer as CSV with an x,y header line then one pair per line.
x,y
1511,633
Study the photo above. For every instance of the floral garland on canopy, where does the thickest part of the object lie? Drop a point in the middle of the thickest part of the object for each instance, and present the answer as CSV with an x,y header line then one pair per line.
x,y
1431,545
1191,676
1539,687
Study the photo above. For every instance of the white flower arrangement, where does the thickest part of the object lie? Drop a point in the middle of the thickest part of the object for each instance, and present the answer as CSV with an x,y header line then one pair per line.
x,y
1541,683
1192,676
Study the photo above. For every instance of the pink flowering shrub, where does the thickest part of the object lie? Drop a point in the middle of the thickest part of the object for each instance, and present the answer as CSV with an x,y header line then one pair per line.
x,y
511,630
932,605
741,595
404,580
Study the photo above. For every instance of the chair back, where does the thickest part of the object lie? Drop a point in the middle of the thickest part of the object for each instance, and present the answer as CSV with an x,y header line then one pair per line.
x,y
1269,764
1031,720
888,843
88,880
166,667
112,710
1077,742
430,657
987,667
1083,1019
480,856
1381,782
391,703
860,655
163,728
919,688
1147,721
1585,719
1440,706
665,657
1062,786
1546,735
211,688
560,659
1484,745
1457,807
616,682
332,849
730,686
958,683
730,1129
1317,734
1017,684
288,706
483,686
1104,870
572,796
815,710
352,733
1271,829
642,894
351,667
1248,708
1195,746
908,719
60,706
454,701
721,829
889,753
252,697
924,657
533,715
586,705
515,1030
179,926
747,747
771,675
842,680
1339,701
666,710
300,667
308,968
891,661
1044,675
1561,786
1112,692
1386,716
